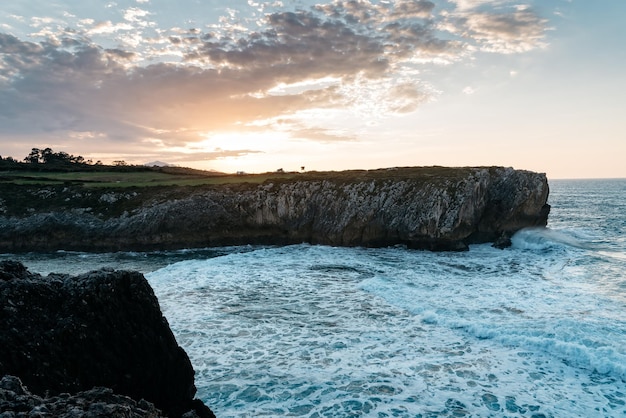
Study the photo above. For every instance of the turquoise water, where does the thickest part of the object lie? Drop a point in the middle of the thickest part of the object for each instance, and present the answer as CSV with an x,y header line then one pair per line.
x,y
536,330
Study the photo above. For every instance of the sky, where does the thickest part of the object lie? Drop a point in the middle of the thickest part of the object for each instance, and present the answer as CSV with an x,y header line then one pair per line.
x,y
255,86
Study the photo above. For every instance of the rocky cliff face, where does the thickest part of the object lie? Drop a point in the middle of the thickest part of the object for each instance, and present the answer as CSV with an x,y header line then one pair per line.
x,y
62,334
428,208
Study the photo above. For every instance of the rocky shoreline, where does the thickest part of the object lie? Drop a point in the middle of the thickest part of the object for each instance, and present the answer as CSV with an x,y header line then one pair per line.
x,y
62,336
433,208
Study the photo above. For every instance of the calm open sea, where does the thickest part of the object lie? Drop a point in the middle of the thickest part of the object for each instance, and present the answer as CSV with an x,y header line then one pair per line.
x,y
536,330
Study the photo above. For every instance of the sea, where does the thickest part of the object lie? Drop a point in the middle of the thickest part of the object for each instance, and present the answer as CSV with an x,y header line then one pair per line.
x,y
534,330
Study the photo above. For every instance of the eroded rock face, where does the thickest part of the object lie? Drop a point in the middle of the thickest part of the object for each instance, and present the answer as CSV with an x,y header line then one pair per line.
x,y
430,208
63,334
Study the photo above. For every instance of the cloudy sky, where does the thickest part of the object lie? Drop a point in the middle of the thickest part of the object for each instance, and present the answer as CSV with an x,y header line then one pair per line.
x,y
254,86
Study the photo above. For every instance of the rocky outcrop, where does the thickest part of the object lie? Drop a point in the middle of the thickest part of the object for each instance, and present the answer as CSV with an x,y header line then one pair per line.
x,y
62,334
17,402
429,208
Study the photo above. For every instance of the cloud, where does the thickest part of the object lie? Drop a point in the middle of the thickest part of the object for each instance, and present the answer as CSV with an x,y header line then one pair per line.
x,y
108,27
178,84
218,154
503,27
520,31
135,15
408,8
323,135
300,45
463,5
469,90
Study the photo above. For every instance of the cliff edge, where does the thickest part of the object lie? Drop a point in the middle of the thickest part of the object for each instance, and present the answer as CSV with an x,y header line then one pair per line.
x,y
434,208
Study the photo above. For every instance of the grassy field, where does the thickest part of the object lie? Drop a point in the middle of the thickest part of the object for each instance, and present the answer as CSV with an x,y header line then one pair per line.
x,y
177,176
121,179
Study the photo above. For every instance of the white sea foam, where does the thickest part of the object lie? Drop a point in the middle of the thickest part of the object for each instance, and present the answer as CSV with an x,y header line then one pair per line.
x,y
319,331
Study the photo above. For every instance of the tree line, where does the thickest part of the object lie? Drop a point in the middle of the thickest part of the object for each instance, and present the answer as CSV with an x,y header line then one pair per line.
x,y
48,160
47,156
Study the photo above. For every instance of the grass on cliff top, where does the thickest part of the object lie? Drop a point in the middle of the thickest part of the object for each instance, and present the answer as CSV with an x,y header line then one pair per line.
x,y
174,176
122,179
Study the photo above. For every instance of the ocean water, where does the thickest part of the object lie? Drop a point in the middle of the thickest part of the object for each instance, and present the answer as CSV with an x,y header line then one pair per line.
x,y
535,330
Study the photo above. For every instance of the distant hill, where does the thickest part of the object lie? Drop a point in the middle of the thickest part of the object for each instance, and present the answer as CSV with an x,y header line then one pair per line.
x,y
159,164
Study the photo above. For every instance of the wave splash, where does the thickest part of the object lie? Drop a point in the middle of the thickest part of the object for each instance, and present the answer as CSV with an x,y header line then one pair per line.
x,y
545,239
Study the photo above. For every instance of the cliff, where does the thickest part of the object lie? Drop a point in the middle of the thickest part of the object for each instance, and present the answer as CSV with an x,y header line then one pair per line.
x,y
61,334
433,208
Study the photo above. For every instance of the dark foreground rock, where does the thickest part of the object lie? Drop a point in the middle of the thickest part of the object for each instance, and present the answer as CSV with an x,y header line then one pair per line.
x,y
433,208
17,402
62,334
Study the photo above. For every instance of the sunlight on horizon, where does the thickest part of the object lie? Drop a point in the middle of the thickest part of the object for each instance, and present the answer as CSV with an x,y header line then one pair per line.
x,y
259,85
